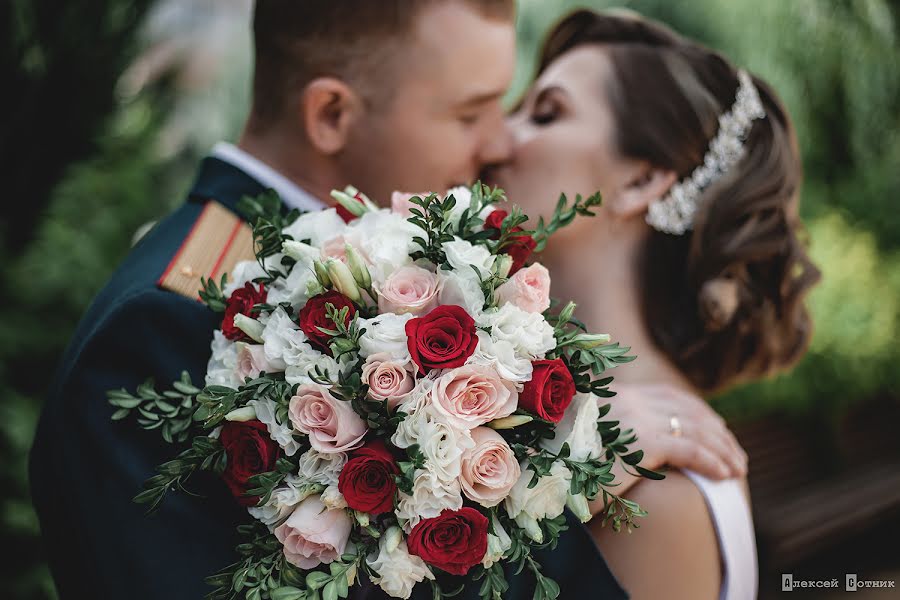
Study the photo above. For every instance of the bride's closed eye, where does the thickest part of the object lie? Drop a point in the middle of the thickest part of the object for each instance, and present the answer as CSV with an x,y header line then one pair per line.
x,y
546,107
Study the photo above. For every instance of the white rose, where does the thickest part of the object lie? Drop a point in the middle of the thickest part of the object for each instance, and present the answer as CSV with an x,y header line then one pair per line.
x,y
282,434
546,500
316,226
499,544
443,447
384,239
303,365
398,570
502,356
579,428
283,340
333,498
282,501
295,289
529,333
321,467
462,289
417,407
222,365
385,333
243,272
463,255
430,496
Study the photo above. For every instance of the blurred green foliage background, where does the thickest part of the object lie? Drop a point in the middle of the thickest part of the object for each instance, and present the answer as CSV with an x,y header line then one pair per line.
x,y
110,104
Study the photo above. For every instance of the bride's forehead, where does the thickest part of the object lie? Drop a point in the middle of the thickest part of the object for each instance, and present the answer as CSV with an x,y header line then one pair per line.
x,y
586,64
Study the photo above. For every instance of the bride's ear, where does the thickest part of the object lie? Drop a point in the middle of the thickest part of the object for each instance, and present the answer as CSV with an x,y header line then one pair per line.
x,y
329,108
647,185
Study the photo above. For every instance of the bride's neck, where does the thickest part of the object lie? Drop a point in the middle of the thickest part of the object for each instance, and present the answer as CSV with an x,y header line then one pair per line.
x,y
597,269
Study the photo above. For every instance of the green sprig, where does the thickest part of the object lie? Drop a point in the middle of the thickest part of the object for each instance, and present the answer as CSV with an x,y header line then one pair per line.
x,y
563,215
170,411
205,454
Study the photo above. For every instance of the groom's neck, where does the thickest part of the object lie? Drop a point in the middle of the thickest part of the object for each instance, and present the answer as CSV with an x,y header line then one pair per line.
x,y
292,159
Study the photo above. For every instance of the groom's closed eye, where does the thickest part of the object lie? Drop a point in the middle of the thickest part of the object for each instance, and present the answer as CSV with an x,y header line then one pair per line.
x,y
470,111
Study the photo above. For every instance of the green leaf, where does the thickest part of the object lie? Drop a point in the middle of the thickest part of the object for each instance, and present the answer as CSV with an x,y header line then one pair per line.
x,y
287,593
330,591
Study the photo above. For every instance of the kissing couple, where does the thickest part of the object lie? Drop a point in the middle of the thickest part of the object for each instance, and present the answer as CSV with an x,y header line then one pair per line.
x,y
694,260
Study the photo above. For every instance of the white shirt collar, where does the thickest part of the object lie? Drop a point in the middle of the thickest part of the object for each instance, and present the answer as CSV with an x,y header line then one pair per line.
x,y
291,194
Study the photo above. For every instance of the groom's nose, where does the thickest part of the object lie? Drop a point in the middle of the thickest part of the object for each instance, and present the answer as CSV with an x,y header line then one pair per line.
x,y
497,146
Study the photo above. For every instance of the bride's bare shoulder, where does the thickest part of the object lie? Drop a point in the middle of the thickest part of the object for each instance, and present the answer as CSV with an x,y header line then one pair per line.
x,y
674,553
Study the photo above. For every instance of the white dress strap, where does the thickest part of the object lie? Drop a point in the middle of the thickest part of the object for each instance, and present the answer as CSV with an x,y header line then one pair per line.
x,y
733,521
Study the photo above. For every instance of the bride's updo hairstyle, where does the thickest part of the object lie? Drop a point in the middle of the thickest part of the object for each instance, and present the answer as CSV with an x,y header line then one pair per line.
x,y
724,301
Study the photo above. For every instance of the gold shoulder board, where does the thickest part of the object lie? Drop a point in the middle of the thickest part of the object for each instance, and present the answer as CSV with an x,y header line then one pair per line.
x,y
218,241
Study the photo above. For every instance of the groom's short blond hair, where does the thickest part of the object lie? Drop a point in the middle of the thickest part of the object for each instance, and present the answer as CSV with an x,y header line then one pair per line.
x,y
297,41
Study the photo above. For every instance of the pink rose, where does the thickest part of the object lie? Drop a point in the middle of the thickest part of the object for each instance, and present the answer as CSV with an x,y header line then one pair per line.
x,y
490,469
336,247
472,395
331,424
251,361
529,289
400,203
409,289
387,379
314,534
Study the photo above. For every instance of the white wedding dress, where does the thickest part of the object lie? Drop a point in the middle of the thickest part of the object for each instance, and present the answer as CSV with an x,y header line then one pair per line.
x,y
733,521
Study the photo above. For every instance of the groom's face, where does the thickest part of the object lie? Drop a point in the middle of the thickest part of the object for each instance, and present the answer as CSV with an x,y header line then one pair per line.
x,y
442,120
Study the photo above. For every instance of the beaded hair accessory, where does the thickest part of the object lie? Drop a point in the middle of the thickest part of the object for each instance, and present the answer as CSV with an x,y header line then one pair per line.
x,y
674,213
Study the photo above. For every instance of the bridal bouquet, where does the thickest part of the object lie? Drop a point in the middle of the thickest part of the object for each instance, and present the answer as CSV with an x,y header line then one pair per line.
x,y
390,393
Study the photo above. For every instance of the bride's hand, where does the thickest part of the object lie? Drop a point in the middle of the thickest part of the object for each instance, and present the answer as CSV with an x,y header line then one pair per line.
x,y
700,440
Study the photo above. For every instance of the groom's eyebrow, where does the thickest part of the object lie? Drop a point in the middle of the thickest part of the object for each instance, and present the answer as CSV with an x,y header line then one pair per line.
x,y
483,98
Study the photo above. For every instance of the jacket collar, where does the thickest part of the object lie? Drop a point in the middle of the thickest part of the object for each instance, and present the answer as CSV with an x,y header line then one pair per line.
x,y
223,182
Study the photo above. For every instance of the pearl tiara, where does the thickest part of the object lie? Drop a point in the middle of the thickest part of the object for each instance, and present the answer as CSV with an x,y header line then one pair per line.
x,y
674,213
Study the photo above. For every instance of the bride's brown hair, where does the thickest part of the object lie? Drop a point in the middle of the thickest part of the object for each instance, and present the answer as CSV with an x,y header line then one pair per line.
x,y
725,301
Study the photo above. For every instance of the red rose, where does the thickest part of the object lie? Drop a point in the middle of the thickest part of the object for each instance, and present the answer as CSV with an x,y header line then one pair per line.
x,y
550,390
442,339
250,451
367,480
455,541
313,316
241,302
345,214
519,247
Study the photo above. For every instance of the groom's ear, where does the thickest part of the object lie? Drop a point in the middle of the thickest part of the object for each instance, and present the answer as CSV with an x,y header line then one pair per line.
x,y
329,108
647,185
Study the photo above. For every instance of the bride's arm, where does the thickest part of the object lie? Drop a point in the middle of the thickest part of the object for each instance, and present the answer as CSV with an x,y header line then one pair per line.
x,y
675,553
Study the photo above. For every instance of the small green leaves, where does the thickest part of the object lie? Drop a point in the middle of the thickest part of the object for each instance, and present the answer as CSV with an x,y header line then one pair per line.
x,y
433,217
563,215
171,411
204,454
212,294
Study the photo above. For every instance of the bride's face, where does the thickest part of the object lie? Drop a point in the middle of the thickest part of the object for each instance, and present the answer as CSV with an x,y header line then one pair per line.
x,y
563,136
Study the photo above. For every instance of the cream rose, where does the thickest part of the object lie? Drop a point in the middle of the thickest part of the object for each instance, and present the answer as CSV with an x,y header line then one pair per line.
x,y
490,469
409,289
398,570
430,496
472,395
529,289
578,428
251,361
387,379
546,500
384,333
313,534
331,424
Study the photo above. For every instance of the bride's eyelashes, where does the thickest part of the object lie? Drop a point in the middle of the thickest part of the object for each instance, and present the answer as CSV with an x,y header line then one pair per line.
x,y
546,108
